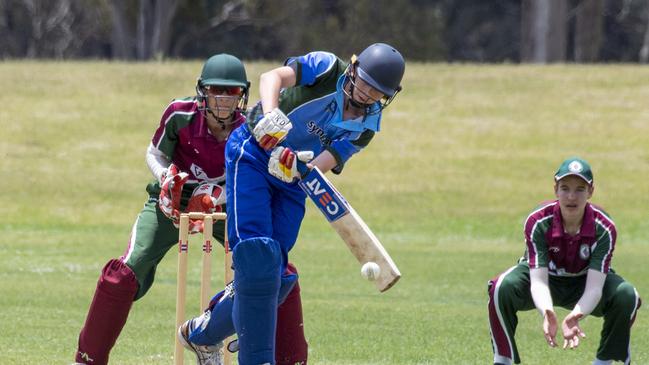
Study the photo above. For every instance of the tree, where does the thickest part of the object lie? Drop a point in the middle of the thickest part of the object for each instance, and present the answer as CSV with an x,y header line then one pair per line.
x,y
151,29
544,31
589,25
48,29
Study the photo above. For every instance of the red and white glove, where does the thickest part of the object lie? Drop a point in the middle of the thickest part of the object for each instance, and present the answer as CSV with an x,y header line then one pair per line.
x,y
272,129
171,191
206,198
283,165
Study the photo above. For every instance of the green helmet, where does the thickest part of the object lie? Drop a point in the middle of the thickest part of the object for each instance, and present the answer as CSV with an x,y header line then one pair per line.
x,y
225,70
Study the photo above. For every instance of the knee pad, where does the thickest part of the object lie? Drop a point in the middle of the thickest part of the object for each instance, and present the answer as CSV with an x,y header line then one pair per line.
x,y
257,262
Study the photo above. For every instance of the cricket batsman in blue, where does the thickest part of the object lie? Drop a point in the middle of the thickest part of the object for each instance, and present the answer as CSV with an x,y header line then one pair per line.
x,y
314,105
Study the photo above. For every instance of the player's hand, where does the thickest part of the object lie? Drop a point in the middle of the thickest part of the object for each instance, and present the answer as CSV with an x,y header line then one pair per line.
x,y
571,330
206,198
170,193
272,129
550,327
283,163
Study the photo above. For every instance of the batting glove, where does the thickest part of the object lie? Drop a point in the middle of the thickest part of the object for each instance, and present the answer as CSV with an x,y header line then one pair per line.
x,y
283,163
272,129
171,192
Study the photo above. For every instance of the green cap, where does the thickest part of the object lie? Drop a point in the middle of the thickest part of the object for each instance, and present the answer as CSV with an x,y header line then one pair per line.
x,y
575,166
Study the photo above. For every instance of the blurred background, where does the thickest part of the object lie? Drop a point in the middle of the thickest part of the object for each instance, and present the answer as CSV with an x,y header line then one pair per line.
x,y
539,31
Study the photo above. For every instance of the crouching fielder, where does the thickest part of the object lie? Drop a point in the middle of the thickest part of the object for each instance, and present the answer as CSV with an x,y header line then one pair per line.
x,y
570,245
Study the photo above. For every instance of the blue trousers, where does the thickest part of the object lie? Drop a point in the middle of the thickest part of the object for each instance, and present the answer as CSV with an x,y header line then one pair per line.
x,y
262,211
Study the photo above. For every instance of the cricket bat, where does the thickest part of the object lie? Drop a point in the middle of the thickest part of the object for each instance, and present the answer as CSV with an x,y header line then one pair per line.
x,y
360,240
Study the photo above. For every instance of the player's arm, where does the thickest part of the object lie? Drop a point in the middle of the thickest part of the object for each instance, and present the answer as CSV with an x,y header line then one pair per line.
x,y
598,268
540,291
343,149
592,293
157,161
537,258
325,161
271,82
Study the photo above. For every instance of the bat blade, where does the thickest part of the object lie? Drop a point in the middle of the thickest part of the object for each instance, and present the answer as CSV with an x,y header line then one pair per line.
x,y
358,237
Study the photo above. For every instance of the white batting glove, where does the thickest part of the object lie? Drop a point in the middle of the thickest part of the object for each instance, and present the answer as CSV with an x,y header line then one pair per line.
x,y
283,165
272,129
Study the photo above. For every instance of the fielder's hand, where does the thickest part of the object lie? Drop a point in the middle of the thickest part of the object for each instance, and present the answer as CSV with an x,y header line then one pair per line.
x,y
272,129
170,193
283,165
550,327
571,330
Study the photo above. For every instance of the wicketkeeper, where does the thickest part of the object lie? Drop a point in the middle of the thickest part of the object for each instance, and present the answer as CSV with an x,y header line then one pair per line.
x,y
316,103
186,157
567,263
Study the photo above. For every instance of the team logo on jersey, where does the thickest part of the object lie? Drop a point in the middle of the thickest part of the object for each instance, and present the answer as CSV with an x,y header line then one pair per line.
x,y
584,251
198,172
554,249
575,166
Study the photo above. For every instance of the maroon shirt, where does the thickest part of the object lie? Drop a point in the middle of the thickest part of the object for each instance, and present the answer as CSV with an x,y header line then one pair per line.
x,y
548,245
184,137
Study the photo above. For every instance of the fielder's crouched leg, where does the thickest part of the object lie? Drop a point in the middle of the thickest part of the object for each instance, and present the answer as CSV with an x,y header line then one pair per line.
x,y
291,347
107,315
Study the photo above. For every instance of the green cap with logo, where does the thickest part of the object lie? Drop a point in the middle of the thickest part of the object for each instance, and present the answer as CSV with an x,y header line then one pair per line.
x,y
577,167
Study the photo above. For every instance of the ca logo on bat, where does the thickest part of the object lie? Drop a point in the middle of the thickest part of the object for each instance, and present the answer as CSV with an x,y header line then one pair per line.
x,y
325,197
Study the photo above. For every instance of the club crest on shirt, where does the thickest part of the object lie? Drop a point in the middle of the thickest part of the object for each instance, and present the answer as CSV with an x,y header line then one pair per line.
x,y
584,251
198,172
575,166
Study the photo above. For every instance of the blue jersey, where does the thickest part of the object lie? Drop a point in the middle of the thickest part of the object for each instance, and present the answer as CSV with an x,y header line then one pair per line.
x,y
315,107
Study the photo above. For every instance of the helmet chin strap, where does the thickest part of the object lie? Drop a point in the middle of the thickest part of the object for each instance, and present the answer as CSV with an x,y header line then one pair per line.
x,y
220,121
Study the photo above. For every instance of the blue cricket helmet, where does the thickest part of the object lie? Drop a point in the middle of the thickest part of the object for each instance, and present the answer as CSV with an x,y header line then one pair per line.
x,y
381,66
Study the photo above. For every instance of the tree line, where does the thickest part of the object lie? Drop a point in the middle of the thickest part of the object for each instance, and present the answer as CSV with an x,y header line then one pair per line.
x,y
427,30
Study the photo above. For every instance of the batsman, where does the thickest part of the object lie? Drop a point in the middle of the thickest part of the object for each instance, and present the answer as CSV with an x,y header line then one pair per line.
x,y
317,103
186,157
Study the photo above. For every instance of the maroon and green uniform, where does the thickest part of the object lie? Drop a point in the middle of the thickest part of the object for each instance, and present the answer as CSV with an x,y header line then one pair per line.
x,y
183,136
567,259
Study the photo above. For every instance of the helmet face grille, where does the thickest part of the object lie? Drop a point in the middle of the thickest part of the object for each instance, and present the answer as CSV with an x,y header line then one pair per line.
x,y
228,72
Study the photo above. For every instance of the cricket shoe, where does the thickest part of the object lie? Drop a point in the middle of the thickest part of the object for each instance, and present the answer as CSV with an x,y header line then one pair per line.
x,y
205,355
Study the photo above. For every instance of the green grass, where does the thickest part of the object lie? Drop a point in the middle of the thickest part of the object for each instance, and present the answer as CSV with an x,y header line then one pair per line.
x,y
465,152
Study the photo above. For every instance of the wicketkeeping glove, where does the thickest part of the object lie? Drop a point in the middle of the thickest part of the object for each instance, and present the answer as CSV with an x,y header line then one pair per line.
x,y
206,198
283,163
170,193
272,129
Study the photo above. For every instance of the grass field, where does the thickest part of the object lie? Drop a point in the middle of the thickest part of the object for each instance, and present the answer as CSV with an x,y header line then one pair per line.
x,y
465,152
